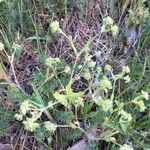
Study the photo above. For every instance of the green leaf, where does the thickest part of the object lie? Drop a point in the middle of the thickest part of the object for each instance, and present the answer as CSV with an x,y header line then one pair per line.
x,y
72,96
125,126
105,84
106,104
61,98
69,97
87,74
64,117
125,121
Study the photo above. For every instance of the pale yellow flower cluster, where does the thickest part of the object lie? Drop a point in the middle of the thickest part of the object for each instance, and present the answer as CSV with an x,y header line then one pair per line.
x,y
109,26
145,95
126,69
55,27
50,126
30,124
139,100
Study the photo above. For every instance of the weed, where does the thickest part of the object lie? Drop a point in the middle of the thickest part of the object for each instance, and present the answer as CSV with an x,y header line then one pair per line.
x,y
115,115
67,78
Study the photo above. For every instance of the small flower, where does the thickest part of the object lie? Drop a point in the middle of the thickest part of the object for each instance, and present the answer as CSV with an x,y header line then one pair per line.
x,y
114,29
67,69
98,54
91,64
80,67
108,21
145,95
1,46
24,107
19,117
108,67
126,147
16,46
104,28
141,105
87,74
30,125
57,60
99,70
106,104
99,100
89,58
50,104
109,26
50,62
79,102
55,27
49,139
50,126
36,114
126,69
127,79
105,84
